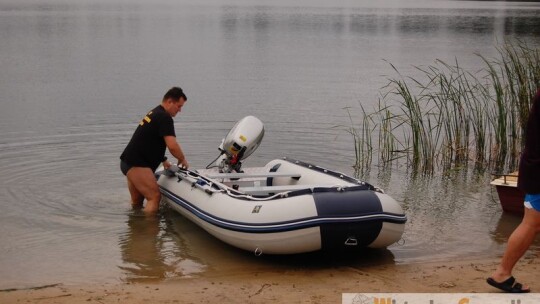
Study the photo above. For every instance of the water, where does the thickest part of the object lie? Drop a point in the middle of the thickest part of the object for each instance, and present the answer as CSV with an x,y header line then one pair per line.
x,y
77,76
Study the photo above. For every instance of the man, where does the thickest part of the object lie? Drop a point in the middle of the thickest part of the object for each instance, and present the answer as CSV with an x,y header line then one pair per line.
x,y
146,150
529,182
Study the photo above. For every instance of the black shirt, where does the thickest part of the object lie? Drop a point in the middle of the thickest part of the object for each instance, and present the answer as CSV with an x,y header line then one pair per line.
x,y
147,145
529,165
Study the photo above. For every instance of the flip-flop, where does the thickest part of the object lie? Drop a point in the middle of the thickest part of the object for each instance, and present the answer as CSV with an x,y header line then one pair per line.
x,y
509,285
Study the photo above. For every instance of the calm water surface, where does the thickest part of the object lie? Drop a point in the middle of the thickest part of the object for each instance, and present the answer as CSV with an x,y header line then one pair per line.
x,y
77,76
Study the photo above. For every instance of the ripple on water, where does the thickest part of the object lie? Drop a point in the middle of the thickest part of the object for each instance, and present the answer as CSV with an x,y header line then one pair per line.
x,y
62,204
152,250
66,212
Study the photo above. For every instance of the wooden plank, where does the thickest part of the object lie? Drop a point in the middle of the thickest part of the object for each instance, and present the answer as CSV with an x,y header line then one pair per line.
x,y
509,180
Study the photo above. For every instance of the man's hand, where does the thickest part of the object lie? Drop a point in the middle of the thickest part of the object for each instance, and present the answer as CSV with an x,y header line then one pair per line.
x,y
166,164
183,164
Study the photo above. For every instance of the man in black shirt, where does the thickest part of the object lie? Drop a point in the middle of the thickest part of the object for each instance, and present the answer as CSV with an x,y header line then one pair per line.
x,y
146,150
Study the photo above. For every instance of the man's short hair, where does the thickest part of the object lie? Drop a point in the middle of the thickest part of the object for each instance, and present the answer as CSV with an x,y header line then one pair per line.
x,y
175,93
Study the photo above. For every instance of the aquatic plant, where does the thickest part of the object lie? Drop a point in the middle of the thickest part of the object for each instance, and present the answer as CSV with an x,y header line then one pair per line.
x,y
450,117
363,147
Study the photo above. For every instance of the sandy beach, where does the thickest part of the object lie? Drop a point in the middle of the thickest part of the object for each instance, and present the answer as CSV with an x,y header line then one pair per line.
x,y
294,286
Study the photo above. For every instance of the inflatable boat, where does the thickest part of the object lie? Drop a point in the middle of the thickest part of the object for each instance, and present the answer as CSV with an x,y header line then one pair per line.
x,y
285,207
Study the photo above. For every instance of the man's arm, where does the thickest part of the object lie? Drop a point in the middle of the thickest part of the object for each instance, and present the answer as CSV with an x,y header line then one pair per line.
x,y
176,150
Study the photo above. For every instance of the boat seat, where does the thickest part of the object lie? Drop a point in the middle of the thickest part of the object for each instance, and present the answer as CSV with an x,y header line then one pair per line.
x,y
278,189
252,175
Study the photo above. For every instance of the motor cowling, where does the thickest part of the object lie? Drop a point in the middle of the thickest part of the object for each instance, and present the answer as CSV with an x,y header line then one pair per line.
x,y
241,141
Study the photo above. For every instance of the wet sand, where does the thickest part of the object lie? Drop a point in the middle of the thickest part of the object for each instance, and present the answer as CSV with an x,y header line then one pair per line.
x,y
323,285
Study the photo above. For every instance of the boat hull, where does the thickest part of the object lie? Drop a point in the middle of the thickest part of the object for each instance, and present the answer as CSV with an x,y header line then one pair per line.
x,y
346,216
510,196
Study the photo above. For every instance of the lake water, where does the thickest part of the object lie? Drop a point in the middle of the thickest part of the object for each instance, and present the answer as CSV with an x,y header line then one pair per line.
x,y
77,76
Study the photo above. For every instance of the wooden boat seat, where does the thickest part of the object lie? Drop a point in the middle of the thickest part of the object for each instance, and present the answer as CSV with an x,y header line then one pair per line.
x,y
509,180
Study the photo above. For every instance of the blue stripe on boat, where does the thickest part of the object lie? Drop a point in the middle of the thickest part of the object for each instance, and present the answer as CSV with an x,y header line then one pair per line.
x,y
281,226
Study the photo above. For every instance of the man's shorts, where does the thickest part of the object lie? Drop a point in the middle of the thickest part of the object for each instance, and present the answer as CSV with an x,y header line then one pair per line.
x,y
124,167
532,201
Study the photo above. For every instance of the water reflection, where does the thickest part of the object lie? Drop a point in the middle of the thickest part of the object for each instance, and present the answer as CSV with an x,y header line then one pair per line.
x,y
322,260
383,21
529,25
151,251
504,228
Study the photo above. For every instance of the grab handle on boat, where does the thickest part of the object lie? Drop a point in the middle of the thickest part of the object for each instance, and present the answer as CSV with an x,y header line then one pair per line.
x,y
351,241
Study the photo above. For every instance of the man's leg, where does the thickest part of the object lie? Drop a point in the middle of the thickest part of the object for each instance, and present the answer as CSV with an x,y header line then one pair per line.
x,y
518,243
136,197
143,182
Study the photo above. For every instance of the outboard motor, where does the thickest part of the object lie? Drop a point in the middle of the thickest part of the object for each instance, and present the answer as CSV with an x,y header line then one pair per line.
x,y
244,138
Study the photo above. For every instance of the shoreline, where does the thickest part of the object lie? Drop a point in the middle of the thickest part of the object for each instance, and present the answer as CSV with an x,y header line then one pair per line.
x,y
322,285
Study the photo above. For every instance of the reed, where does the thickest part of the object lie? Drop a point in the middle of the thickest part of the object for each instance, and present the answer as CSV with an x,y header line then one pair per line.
x,y
450,117
499,114
363,147
388,143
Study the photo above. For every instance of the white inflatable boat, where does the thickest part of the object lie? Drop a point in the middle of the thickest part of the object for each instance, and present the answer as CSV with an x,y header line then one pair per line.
x,y
285,207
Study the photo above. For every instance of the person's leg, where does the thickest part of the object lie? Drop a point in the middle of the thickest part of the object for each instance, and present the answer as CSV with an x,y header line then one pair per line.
x,y
518,243
136,197
143,181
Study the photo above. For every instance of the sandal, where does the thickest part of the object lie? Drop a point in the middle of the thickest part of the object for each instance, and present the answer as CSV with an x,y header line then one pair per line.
x,y
509,285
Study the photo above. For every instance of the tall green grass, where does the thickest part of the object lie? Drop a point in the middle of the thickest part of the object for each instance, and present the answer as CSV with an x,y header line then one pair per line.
x,y
450,117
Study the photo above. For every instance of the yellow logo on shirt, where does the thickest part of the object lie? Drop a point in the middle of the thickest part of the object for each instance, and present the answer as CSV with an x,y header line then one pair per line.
x,y
146,119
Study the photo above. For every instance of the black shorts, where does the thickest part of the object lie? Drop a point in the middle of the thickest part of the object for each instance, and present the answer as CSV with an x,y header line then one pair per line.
x,y
124,167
